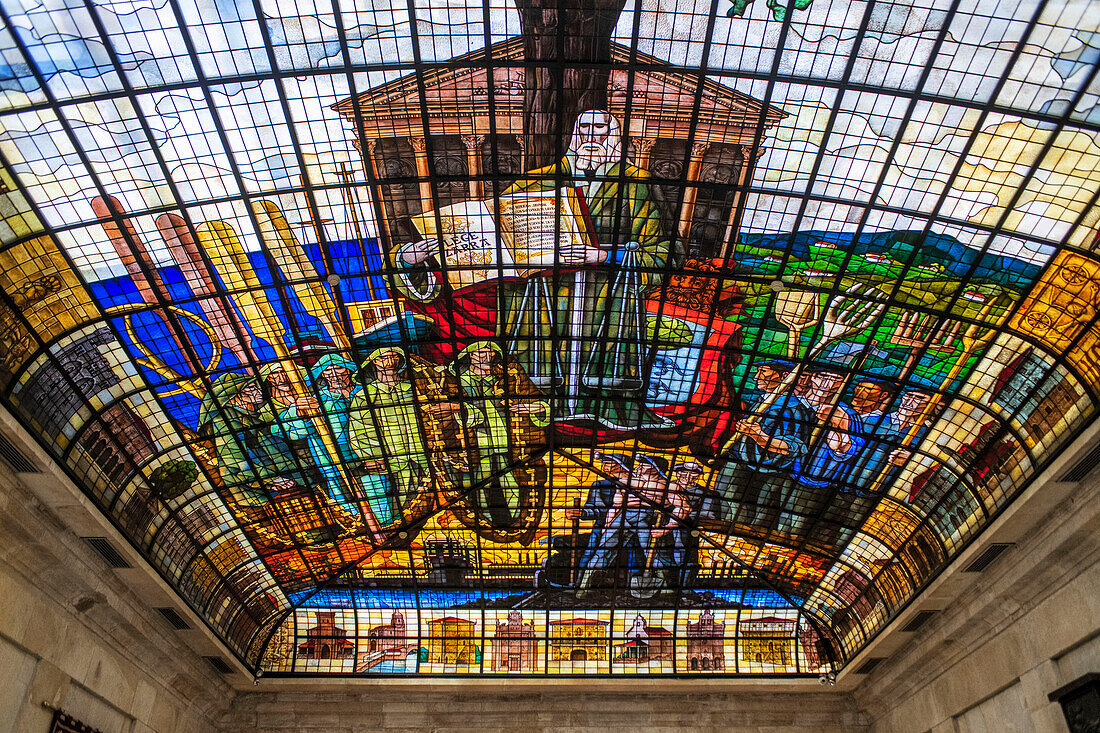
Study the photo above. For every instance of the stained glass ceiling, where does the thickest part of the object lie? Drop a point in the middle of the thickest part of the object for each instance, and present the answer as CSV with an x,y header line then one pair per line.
x,y
551,337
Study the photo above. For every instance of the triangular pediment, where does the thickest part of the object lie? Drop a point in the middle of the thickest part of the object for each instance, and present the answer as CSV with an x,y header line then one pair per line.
x,y
656,89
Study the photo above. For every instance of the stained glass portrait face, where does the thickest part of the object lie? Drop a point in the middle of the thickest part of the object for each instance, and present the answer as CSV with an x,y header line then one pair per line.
x,y
624,339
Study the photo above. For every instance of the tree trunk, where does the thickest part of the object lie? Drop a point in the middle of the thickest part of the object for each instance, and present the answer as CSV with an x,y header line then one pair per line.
x,y
557,35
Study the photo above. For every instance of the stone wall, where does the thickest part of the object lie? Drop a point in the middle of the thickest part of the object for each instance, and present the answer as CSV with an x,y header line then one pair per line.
x,y
1025,627
542,707
75,636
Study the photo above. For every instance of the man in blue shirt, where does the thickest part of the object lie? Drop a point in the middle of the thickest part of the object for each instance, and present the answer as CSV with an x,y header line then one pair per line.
x,y
871,397
879,465
836,442
636,495
687,502
757,480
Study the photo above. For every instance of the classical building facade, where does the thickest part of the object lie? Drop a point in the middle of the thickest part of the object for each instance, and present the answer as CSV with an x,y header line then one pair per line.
x,y
706,643
578,640
767,640
451,640
472,144
513,646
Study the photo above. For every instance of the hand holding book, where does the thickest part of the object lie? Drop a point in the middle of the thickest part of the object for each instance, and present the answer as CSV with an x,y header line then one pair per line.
x,y
581,254
513,236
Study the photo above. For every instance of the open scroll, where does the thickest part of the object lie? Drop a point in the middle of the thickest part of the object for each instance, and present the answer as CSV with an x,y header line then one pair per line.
x,y
474,247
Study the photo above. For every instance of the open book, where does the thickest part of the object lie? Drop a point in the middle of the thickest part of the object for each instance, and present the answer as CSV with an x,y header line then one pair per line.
x,y
531,226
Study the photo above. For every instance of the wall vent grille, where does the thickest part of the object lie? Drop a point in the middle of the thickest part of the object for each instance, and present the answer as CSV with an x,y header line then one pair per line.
x,y
919,620
173,618
219,664
15,457
1086,465
869,665
987,558
107,551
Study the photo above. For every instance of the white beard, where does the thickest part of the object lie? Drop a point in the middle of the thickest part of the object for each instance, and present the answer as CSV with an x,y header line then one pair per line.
x,y
593,155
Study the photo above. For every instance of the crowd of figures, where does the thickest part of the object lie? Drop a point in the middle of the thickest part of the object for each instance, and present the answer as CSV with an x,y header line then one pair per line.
x,y
379,436
397,435
644,520
804,467
808,460
803,464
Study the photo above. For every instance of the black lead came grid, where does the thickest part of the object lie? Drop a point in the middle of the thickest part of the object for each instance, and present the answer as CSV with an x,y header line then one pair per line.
x,y
549,338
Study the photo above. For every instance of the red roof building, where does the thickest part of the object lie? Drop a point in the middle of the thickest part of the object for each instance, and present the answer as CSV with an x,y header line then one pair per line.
x,y
326,640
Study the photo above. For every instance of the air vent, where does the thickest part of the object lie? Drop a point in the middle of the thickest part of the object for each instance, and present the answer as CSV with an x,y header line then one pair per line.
x,y
15,458
219,664
107,551
1086,465
173,618
919,620
870,664
987,558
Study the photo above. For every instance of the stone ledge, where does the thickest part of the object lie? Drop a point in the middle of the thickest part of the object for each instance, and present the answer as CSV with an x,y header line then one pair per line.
x,y
64,610
547,711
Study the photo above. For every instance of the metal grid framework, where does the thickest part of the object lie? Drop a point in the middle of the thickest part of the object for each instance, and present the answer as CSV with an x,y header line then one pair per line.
x,y
556,338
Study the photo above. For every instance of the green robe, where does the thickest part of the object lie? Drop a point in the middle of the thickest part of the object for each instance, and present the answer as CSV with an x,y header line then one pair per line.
x,y
384,425
249,453
488,422
589,348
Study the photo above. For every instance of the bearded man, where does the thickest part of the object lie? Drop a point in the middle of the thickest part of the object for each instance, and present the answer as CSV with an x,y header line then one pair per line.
x,y
585,337
578,330
255,462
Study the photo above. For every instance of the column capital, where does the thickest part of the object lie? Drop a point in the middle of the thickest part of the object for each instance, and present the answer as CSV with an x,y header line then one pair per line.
x,y
699,149
419,144
748,152
372,145
473,143
643,145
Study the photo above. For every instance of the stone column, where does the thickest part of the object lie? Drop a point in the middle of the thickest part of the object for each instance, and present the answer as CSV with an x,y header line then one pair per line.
x,y
643,146
473,164
376,189
695,164
522,142
423,172
748,155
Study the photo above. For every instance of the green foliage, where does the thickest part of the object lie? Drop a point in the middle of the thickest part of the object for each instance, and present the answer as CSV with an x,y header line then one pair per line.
x,y
668,333
738,8
170,479
779,10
